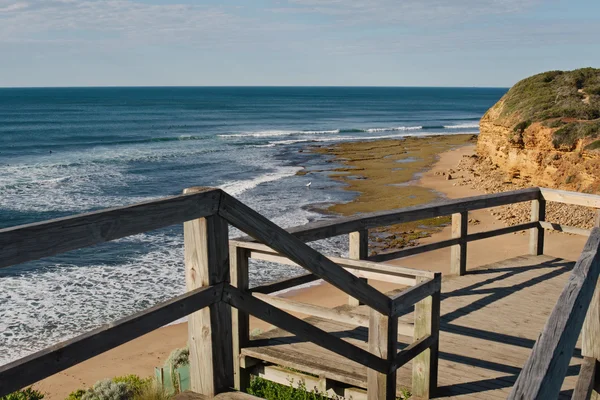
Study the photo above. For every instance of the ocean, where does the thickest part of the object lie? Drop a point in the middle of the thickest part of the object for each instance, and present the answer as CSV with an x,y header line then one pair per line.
x,y
65,151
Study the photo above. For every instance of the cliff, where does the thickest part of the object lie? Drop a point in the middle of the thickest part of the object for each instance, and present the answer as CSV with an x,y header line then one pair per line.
x,y
546,131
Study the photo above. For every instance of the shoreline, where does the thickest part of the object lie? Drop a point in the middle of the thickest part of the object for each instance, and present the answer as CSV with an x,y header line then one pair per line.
x,y
141,355
385,174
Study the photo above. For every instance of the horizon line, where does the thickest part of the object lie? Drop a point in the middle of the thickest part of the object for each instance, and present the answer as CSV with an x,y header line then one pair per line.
x,y
251,86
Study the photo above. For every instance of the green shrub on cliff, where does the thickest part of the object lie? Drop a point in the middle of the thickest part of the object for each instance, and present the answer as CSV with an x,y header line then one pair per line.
x,y
569,100
570,133
593,146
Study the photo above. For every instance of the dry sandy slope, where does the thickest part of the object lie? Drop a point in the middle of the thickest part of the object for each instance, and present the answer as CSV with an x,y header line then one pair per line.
x,y
142,355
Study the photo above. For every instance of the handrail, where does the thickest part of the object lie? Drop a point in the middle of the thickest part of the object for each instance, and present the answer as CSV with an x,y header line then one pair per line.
x,y
546,368
457,207
568,197
340,226
206,213
30,242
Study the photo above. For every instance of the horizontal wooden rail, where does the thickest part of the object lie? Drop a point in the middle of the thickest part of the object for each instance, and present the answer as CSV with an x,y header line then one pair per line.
x,y
410,251
407,298
412,350
564,228
501,231
343,316
37,366
575,198
359,268
43,239
301,328
261,250
285,284
340,226
543,373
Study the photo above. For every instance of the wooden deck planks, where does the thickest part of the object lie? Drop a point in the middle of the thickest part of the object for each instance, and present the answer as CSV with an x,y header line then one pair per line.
x,y
490,319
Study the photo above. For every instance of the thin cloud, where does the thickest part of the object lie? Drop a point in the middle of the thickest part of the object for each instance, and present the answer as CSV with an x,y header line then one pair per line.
x,y
408,11
120,19
511,35
11,7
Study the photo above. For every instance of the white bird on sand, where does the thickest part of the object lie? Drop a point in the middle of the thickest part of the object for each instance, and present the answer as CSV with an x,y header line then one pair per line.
x,y
308,184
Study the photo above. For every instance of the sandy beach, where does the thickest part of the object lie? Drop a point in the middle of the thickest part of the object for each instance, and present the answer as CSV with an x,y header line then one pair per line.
x,y
142,355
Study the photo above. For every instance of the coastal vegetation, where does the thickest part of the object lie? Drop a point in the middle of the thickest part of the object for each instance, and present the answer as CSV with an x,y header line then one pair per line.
x,y
125,387
25,394
566,100
545,131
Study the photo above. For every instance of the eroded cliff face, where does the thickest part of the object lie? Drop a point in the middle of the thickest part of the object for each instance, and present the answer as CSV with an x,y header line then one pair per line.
x,y
531,154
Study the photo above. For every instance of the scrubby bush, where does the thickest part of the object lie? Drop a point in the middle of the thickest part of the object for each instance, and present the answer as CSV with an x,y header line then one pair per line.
x,y
25,394
152,392
554,123
134,382
593,146
121,387
569,134
273,391
593,90
108,389
76,395
521,126
178,358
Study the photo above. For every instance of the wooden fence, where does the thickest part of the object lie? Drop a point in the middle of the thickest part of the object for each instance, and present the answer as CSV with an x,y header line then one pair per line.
x,y
219,300
577,311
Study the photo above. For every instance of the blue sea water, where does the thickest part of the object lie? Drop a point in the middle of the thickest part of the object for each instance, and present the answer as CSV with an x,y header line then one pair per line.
x,y
70,150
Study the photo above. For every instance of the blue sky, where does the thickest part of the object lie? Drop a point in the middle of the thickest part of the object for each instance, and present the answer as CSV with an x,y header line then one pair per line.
x,y
293,42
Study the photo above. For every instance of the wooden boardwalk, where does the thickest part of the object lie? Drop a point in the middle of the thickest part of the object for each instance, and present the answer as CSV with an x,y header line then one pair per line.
x,y
490,320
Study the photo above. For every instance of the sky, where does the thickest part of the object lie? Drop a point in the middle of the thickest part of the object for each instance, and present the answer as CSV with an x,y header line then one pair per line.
x,y
490,43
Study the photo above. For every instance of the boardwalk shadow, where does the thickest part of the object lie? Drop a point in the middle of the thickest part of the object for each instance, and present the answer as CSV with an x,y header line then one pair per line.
x,y
494,294
495,285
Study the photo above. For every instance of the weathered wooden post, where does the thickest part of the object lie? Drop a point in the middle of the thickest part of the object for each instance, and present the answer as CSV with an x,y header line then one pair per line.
x,y
590,333
206,248
383,342
425,365
238,262
536,235
458,252
358,249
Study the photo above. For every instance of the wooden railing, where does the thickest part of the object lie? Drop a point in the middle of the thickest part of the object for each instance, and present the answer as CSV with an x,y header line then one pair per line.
x,y
219,299
358,227
423,293
577,308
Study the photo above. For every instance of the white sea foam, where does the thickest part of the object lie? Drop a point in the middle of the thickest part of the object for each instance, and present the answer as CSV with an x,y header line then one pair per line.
x,y
398,128
236,188
80,181
275,133
69,300
63,187
461,126
339,139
